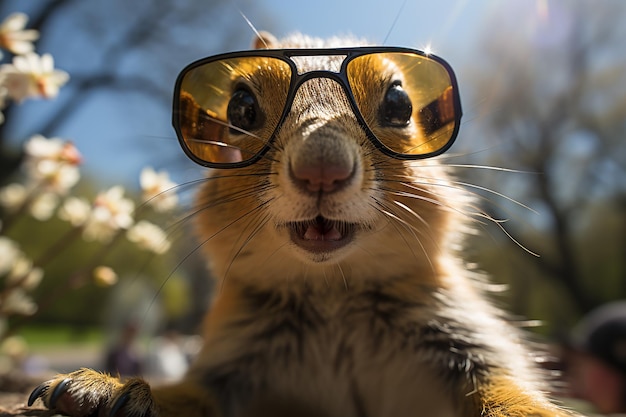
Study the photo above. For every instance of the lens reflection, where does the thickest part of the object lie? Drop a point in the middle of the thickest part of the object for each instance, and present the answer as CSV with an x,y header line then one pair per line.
x,y
427,83
205,93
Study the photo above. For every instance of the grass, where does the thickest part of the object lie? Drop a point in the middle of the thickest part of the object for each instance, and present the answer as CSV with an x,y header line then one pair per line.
x,y
53,336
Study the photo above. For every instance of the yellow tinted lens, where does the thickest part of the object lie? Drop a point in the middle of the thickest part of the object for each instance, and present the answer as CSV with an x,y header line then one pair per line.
x,y
406,99
228,109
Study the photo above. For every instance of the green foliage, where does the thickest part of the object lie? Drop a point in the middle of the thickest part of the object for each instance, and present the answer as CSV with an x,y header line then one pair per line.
x,y
46,336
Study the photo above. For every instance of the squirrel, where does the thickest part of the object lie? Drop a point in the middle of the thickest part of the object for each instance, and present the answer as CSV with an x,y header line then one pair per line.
x,y
342,290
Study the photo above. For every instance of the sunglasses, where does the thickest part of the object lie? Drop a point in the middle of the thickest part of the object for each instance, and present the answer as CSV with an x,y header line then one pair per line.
x,y
229,108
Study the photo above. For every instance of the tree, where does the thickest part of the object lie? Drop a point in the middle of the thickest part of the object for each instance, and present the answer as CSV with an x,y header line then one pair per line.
x,y
127,53
554,107
124,54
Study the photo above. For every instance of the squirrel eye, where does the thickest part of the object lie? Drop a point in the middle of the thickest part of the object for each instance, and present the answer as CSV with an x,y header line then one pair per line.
x,y
396,109
243,110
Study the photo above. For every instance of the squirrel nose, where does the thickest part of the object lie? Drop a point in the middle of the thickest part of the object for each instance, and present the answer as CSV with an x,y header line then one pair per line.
x,y
321,159
318,175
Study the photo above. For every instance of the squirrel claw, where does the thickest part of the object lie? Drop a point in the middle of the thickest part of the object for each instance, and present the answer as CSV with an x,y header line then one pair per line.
x,y
37,393
42,389
59,390
119,403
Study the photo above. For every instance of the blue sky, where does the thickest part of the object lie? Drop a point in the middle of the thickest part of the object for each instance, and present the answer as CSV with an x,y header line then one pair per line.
x,y
442,22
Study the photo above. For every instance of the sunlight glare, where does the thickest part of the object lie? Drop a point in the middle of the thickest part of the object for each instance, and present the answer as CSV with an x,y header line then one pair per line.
x,y
428,49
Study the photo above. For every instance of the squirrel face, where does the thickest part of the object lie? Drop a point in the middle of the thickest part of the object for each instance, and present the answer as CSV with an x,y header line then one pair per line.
x,y
323,198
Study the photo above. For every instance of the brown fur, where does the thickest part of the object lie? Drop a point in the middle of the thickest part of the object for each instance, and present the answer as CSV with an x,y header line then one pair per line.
x,y
393,324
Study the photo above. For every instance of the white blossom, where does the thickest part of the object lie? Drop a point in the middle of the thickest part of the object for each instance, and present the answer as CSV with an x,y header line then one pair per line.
x,y
111,212
149,236
14,37
43,205
18,302
53,149
56,149
24,274
104,276
40,147
158,189
75,210
59,178
52,162
31,76
13,196
9,252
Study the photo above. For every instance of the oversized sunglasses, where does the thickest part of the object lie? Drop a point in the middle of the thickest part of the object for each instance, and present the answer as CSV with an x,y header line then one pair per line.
x,y
229,108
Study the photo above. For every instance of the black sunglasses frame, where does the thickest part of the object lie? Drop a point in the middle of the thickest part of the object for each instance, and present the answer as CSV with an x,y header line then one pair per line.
x,y
298,79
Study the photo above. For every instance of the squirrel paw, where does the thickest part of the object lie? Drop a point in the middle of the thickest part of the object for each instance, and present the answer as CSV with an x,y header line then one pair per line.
x,y
89,393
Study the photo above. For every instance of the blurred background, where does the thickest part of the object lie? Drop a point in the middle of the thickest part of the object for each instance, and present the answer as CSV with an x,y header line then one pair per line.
x,y
543,86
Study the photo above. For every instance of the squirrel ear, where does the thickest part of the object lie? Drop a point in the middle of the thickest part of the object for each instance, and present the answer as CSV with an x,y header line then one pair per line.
x,y
264,40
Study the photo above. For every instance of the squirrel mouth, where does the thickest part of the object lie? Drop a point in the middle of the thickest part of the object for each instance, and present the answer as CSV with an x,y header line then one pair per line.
x,y
321,234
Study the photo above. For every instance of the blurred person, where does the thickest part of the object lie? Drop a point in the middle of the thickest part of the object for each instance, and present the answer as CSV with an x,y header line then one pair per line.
x,y
122,358
596,359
